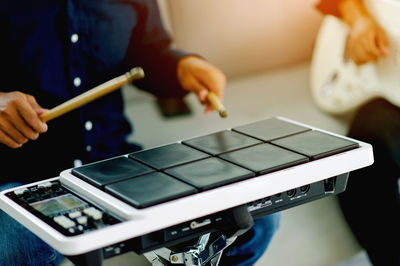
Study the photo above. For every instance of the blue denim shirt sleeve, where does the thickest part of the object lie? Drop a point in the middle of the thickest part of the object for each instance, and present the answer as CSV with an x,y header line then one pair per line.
x,y
150,48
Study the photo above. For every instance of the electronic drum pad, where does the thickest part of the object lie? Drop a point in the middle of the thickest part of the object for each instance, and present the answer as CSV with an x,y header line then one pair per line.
x,y
165,195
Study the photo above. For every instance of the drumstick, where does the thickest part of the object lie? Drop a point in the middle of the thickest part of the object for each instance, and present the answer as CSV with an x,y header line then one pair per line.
x,y
93,94
217,104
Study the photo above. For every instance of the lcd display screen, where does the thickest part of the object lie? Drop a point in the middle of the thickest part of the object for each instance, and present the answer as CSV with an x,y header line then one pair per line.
x,y
54,206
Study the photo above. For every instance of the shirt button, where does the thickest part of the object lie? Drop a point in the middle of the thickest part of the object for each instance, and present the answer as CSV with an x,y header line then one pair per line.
x,y
88,125
77,163
88,148
74,38
77,82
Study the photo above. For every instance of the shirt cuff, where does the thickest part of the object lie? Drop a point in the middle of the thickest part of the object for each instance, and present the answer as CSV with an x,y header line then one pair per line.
x,y
329,7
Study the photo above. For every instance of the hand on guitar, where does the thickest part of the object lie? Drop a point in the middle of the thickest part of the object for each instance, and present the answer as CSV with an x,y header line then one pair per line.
x,y
367,41
199,76
358,32
19,119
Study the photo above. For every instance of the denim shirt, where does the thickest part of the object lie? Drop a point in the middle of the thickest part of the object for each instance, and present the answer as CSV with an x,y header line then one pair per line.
x,y
56,50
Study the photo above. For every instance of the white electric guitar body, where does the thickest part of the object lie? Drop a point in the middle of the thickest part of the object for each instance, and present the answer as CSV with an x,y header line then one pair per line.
x,y
338,85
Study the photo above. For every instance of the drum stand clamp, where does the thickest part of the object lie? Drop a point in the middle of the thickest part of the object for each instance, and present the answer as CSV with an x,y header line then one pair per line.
x,y
200,254
205,253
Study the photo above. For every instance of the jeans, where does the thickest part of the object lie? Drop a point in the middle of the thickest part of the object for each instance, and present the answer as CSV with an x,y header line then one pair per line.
x,y
248,248
18,246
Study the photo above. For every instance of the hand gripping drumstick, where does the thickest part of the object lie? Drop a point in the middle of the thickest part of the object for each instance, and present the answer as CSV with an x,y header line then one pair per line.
x,y
217,104
93,94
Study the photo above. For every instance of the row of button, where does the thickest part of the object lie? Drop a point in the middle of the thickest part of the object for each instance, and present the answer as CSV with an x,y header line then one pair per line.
x,y
20,192
94,213
64,221
78,221
77,82
37,193
74,39
88,127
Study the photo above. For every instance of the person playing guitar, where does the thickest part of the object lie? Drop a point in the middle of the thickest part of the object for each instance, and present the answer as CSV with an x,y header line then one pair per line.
x,y
367,40
371,204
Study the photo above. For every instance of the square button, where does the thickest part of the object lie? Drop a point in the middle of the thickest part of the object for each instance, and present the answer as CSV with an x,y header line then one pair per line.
x,y
316,144
209,173
221,142
270,129
264,158
150,189
109,171
168,155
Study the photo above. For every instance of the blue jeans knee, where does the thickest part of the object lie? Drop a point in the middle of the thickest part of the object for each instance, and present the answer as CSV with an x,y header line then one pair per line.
x,y
18,246
248,248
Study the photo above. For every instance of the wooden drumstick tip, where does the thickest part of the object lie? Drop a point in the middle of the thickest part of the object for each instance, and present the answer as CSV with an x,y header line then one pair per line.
x,y
134,73
223,113
217,104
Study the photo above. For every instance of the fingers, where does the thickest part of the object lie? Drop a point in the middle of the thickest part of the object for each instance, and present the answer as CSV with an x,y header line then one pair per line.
x,y
382,42
194,85
201,93
7,140
371,46
203,83
22,125
32,101
201,77
19,119
362,51
209,108
30,114
215,81
367,42
10,136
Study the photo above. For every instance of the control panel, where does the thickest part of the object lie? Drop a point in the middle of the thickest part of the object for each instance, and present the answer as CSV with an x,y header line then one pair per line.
x,y
62,209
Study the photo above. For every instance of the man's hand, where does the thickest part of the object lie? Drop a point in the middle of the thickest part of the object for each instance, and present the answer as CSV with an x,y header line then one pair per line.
x,y
19,119
367,41
199,76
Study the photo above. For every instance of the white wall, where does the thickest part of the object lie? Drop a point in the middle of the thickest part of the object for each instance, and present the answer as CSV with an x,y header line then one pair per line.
x,y
244,36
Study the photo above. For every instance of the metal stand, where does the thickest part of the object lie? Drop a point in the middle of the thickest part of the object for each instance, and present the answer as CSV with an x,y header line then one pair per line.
x,y
237,221
201,254
205,253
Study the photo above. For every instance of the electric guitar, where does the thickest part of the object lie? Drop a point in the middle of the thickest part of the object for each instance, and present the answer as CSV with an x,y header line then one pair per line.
x,y
337,84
